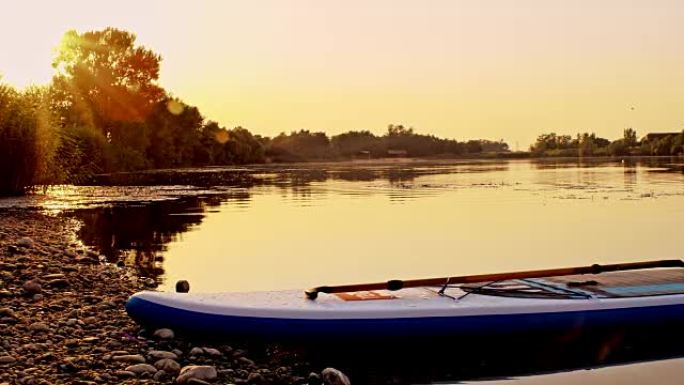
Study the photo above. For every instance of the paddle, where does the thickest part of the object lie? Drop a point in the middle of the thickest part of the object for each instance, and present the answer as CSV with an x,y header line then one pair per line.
x,y
396,284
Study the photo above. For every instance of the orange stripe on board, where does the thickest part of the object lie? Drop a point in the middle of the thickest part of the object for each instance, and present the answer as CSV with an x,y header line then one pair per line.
x,y
364,296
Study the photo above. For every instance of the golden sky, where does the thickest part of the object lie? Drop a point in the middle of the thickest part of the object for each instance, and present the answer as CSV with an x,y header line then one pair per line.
x,y
492,69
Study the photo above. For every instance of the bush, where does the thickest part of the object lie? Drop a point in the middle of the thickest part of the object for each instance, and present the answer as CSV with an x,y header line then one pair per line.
x,y
618,148
27,140
83,152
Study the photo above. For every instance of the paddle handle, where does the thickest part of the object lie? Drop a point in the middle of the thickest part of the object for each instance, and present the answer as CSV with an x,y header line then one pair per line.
x,y
396,284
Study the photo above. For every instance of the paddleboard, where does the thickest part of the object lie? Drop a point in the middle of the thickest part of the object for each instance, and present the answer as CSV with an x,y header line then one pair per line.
x,y
620,299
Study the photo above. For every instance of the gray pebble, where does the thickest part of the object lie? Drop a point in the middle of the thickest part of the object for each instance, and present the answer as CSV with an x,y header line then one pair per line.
x,y
32,287
159,354
164,334
39,327
204,373
255,378
8,312
196,351
314,379
212,352
246,361
168,365
25,242
139,369
124,374
332,376
7,359
131,358
161,376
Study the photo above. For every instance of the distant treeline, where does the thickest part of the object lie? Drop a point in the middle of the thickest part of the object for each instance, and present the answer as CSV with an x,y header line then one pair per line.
x,y
586,144
104,111
398,141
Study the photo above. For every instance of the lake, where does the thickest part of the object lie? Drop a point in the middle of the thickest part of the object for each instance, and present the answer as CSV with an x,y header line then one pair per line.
x,y
304,225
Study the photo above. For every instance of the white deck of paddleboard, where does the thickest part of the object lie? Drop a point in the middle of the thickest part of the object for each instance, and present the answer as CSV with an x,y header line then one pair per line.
x,y
407,303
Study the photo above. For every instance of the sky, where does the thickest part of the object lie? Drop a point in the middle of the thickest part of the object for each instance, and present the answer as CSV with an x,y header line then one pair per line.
x,y
463,69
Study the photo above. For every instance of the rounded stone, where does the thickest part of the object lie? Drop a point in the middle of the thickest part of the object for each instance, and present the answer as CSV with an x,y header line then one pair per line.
x,y
199,372
182,286
25,242
124,374
164,334
332,376
212,352
160,354
32,287
131,358
314,378
140,369
161,376
8,312
39,327
255,378
168,365
7,360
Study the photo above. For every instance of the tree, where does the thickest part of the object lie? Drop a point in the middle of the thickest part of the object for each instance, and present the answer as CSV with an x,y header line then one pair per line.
x,y
354,142
174,130
678,144
105,79
473,146
493,146
618,148
243,147
630,137
210,150
399,130
551,141
663,146
300,145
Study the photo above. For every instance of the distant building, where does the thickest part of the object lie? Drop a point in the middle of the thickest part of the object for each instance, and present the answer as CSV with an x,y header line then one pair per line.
x,y
653,136
397,153
363,154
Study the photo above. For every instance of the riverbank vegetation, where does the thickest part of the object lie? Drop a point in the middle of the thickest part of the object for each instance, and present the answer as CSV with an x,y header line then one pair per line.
x,y
586,144
106,112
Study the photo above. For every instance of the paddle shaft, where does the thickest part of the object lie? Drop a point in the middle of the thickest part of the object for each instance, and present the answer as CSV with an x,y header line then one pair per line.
x,y
399,284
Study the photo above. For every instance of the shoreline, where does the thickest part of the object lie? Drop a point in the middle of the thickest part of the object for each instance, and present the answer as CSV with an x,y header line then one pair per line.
x,y
252,174
62,321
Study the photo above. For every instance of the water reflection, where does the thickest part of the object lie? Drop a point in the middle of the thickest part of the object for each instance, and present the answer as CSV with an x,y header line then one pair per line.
x,y
509,359
137,234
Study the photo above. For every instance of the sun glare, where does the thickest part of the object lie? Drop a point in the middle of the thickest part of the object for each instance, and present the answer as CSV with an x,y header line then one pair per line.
x,y
24,76
24,63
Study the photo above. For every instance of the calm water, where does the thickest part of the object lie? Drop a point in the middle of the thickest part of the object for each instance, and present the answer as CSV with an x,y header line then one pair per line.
x,y
308,225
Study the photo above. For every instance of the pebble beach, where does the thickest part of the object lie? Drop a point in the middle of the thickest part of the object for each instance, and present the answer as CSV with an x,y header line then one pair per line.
x,y
62,321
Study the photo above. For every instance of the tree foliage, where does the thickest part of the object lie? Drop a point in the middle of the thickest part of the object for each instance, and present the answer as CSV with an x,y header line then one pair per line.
x,y
630,137
584,144
104,79
27,143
